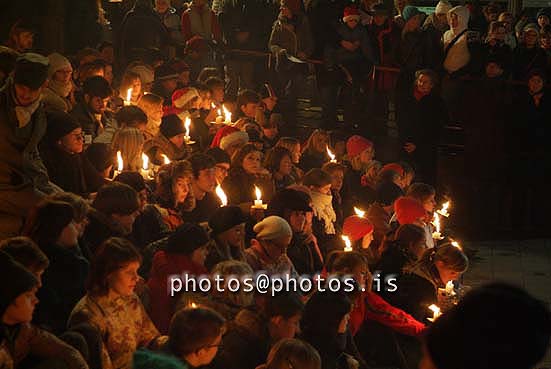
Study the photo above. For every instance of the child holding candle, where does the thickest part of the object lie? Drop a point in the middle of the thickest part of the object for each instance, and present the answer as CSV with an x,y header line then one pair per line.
x,y
169,141
130,89
360,231
360,151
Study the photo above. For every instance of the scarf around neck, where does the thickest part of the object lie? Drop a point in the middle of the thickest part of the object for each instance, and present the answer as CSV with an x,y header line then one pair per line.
x,y
323,210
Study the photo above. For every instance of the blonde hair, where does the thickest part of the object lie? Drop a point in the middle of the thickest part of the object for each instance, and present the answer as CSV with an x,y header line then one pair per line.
x,y
310,144
129,141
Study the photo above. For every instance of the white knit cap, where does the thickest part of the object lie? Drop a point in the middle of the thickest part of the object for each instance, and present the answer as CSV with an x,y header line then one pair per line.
x,y
442,7
272,228
57,62
146,73
233,138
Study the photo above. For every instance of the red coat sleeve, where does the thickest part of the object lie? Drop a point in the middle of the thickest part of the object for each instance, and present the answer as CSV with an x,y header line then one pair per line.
x,y
381,311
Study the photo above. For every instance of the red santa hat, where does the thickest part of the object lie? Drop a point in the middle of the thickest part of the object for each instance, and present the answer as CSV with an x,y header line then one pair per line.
x,y
395,167
351,12
356,227
227,136
408,210
356,145
183,96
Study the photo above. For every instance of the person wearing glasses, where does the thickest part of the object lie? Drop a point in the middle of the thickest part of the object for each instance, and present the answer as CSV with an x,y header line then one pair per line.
x,y
61,151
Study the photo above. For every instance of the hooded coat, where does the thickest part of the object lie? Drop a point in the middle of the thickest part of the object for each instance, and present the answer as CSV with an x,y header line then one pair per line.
x,y
461,46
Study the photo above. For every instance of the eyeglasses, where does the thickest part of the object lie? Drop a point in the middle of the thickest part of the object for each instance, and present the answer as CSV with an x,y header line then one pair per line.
x,y
222,168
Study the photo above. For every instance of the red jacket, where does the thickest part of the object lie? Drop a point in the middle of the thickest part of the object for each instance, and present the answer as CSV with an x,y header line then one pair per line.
x,y
165,265
372,307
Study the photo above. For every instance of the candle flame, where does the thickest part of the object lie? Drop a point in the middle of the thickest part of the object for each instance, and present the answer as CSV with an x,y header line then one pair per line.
x,y
187,124
193,305
145,161
456,244
359,212
444,210
436,222
166,159
120,164
221,195
258,193
227,115
348,244
435,310
213,106
129,95
330,154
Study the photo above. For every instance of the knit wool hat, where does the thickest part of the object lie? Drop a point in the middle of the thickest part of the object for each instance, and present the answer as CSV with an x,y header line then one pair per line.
x,y
288,199
442,7
350,13
410,12
58,62
186,238
164,72
133,179
479,332
408,210
272,228
59,125
395,167
31,70
225,218
227,136
183,96
544,12
146,73
171,126
219,155
356,227
356,145
16,280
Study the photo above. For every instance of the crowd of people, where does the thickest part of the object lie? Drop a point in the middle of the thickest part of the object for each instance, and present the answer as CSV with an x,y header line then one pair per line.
x,y
168,150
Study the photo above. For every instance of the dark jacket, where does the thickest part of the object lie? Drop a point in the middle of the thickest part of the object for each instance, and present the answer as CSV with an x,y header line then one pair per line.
x,y
63,285
294,36
203,210
310,160
239,187
90,126
99,229
23,177
525,60
150,226
246,344
72,172
159,145
304,255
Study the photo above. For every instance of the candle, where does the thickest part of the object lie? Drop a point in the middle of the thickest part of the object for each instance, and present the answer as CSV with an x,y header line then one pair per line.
x,y
187,124
128,100
258,202
347,243
145,171
450,288
444,210
165,159
456,244
331,155
120,165
436,222
219,117
193,305
359,212
221,195
435,312
227,115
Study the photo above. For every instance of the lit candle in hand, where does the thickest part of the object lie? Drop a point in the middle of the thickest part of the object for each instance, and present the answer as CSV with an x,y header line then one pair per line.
x,y
436,222
221,195
435,312
347,243
332,156
128,100
258,202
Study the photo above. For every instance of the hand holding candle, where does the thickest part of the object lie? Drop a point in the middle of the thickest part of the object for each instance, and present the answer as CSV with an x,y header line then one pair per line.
x,y
145,171
120,165
227,115
187,125
436,222
128,100
435,313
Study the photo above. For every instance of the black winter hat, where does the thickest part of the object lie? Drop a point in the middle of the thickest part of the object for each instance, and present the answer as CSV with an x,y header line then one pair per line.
x,y
388,192
225,218
49,219
133,179
219,155
497,326
186,238
172,126
165,72
288,199
59,125
15,281
31,70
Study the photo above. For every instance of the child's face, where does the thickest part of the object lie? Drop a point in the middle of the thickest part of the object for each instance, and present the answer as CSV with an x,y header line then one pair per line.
x,y
352,23
22,308
249,109
338,178
493,70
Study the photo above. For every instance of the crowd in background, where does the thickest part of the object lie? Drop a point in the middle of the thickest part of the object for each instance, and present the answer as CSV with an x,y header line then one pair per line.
x,y
167,147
